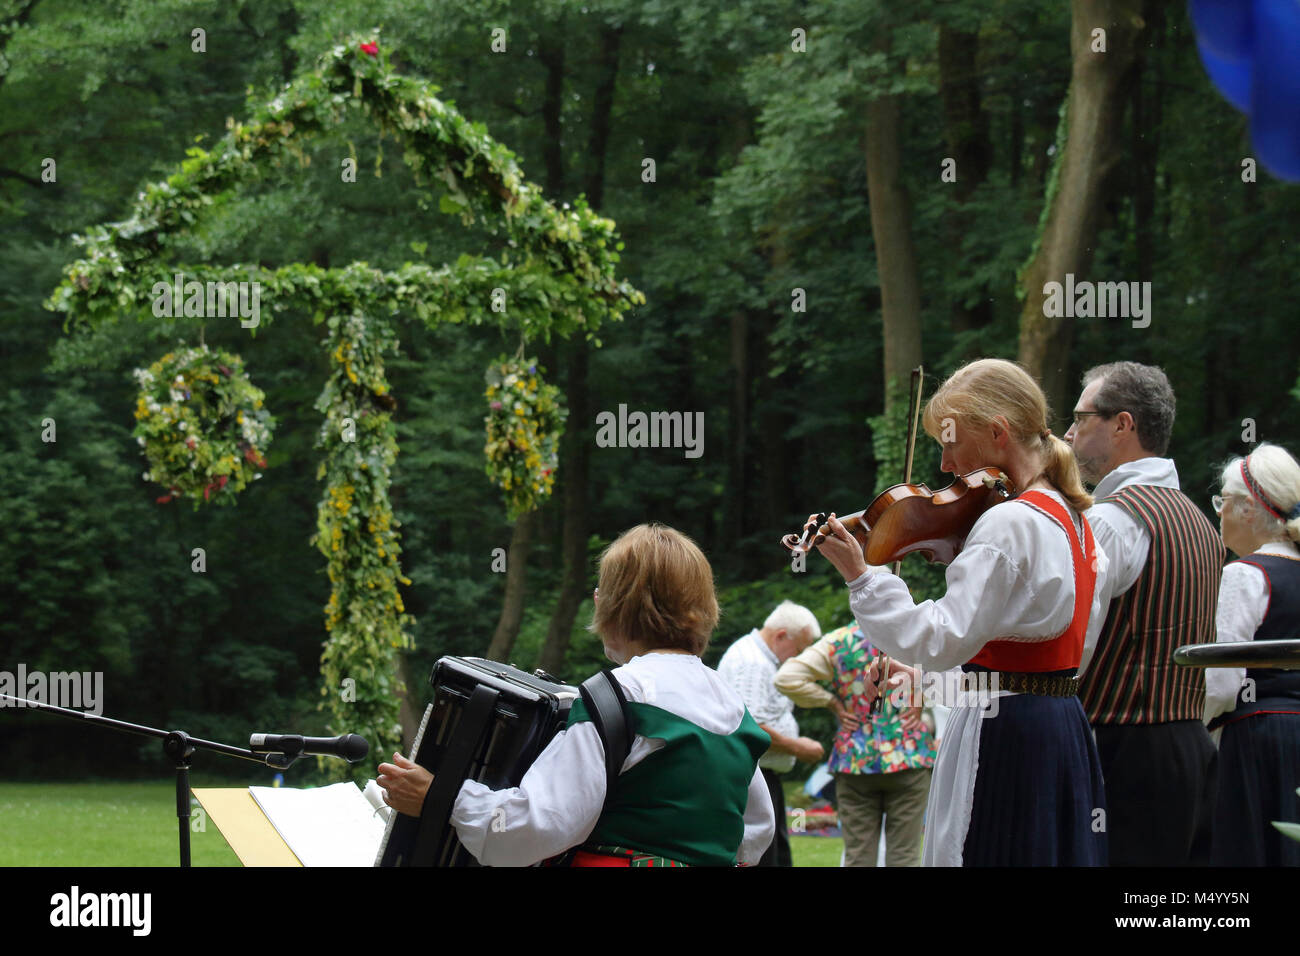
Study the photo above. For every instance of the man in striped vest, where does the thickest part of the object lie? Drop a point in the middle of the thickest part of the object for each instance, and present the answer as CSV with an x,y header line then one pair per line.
x,y
1157,759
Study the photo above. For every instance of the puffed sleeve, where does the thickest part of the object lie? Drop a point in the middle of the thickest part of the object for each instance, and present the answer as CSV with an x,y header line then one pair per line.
x,y
760,822
555,806
1243,600
1013,579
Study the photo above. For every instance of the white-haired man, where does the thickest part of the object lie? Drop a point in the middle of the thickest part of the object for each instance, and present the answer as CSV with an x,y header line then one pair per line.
x,y
750,666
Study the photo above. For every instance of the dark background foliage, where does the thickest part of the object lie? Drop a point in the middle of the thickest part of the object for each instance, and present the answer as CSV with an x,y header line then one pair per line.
x,y
760,189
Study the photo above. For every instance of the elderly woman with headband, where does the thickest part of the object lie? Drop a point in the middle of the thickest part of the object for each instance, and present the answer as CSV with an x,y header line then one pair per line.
x,y
1258,709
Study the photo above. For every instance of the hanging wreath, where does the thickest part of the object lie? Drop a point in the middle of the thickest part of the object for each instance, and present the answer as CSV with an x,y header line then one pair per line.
x,y
524,423
201,424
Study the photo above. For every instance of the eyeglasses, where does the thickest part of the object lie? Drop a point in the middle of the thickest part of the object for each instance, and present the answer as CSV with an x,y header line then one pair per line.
x,y
1078,415
1218,502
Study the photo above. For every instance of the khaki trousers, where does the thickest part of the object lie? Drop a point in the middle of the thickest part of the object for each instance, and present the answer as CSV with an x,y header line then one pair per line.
x,y
863,798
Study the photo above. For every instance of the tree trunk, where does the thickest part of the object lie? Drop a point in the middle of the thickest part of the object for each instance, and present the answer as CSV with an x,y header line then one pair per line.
x,y
891,230
575,452
1091,148
512,610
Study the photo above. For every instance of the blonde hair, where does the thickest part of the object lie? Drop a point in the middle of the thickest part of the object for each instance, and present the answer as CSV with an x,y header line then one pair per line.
x,y
982,391
656,586
1275,473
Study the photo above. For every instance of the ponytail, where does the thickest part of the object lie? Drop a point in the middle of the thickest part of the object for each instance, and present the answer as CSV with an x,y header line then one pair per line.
x,y
1062,470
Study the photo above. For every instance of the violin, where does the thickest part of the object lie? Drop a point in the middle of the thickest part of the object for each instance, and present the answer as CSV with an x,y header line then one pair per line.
x,y
907,519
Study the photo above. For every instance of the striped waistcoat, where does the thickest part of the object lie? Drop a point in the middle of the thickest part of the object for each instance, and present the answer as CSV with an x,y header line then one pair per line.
x,y
1133,678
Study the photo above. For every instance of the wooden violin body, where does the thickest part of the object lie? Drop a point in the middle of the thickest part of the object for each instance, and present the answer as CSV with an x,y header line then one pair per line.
x,y
907,519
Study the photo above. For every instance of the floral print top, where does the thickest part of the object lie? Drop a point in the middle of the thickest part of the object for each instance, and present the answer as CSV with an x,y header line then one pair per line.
x,y
880,744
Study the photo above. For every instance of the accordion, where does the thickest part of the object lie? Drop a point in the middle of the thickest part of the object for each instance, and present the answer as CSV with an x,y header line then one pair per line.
x,y
488,722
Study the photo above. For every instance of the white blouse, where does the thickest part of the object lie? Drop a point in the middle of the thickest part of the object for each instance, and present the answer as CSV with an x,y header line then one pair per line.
x,y
1012,580
559,800
1243,602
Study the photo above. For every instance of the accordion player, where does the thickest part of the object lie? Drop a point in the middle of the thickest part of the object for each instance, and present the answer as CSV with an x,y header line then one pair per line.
x,y
688,791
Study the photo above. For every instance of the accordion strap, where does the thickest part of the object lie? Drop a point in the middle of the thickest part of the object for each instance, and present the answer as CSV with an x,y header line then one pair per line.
x,y
607,706
436,813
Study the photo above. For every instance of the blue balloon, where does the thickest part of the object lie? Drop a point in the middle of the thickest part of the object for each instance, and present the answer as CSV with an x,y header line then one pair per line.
x,y
1224,27
1251,51
1275,105
1232,78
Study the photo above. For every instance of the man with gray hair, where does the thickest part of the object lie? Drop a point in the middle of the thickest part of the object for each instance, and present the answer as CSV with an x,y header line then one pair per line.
x,y
1166,559
750,666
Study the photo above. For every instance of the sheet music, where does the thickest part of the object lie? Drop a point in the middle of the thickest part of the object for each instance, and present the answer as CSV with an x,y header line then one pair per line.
x,y
326,826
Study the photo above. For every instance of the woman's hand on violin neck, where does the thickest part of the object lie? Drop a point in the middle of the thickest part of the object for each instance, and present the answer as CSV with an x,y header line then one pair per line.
x,y
842,550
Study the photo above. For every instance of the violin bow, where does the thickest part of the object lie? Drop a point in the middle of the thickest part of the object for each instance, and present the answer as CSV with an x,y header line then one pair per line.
x,y
913,418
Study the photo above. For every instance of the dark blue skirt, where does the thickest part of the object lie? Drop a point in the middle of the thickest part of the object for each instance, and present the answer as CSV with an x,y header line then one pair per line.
x,y
1259,770
1039,799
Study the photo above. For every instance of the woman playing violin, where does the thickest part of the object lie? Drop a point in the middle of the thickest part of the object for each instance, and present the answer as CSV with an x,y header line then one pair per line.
x,y
1017,781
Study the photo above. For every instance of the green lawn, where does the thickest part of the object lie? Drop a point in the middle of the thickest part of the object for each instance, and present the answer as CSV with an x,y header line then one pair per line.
x,y
134,824
99,824
816,851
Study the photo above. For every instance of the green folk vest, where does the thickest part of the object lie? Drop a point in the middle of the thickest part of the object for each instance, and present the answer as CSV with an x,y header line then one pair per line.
x,y
686,801
1132,678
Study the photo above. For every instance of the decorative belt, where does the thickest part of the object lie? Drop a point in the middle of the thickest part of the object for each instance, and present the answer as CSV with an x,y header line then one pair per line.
x,y
609,855
1043,685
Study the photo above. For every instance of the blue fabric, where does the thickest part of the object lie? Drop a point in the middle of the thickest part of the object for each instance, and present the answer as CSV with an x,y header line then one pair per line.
x,y
1039,799
1259,769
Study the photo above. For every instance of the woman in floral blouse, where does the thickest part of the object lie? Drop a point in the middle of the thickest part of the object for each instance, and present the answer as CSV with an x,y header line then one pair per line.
x,y
882,761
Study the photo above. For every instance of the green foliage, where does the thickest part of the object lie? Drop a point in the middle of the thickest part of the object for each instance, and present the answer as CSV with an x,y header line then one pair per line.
x,y
202,425
357,534
557,264
524,424
562,280
761,190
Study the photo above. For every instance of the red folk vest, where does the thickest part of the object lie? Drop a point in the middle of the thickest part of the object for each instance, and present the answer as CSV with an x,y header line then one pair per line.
x,y
1065,651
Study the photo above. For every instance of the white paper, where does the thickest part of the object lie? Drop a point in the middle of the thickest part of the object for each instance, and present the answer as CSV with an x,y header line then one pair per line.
x,y
325,826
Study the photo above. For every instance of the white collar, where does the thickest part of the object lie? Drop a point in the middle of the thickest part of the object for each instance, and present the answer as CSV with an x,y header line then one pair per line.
x,y
762,644
1144,471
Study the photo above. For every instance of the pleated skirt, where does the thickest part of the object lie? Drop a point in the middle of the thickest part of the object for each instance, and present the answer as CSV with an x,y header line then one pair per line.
x,y
1259,771
1032,791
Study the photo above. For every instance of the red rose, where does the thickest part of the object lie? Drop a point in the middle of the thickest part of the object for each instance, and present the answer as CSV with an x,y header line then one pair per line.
x,y
372,48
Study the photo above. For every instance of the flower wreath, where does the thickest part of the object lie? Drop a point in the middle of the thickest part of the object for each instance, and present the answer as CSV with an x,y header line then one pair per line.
x,y
201,424
524,423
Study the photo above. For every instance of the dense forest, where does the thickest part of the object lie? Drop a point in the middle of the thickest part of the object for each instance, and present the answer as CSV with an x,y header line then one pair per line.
x,y
840,190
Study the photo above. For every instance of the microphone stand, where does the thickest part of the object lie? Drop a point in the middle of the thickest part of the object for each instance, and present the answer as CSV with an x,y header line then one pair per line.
x,y
178,746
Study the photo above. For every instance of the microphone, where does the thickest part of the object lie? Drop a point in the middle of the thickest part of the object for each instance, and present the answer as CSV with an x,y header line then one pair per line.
x,y
350,747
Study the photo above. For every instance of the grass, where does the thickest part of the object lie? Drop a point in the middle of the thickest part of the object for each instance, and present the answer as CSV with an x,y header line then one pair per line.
x,y
816,851
134,824
100,824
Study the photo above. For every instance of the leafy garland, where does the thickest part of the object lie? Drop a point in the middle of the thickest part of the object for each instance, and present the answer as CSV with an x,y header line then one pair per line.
x,y
357,532
555,266
201,424
524,423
